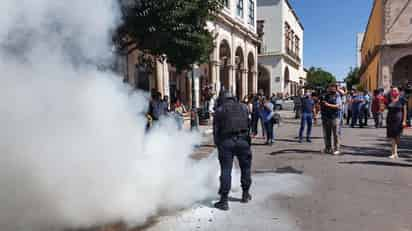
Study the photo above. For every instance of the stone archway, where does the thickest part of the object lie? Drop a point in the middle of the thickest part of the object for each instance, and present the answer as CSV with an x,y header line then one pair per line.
x,y
402,71
264,80
224,59
251,71
287,81
239,68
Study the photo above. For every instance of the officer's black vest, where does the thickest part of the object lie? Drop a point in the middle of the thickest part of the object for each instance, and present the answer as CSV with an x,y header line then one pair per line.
x,y
234,119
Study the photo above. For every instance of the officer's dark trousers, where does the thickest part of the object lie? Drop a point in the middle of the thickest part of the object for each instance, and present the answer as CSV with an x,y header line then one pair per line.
x,y
349,117
363,116
228,149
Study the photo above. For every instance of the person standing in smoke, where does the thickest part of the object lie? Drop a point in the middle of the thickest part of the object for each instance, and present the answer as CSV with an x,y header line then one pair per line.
x,y
165,105
231,136
156,110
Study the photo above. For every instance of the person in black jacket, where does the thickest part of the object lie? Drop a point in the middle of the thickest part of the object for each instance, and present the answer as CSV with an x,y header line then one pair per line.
x,y
330,106
231,136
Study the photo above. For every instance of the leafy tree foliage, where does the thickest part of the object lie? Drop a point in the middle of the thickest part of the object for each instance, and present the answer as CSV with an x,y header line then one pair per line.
x,y
319,79
353,78
175,28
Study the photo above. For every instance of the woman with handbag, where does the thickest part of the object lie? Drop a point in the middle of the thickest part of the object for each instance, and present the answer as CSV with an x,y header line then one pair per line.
x,y
267,115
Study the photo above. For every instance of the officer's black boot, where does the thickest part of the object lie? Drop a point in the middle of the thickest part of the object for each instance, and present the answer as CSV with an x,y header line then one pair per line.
x,y
223,204
246,197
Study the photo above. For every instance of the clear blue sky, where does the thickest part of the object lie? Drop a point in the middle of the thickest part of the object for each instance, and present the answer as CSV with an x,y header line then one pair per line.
x,y
330,32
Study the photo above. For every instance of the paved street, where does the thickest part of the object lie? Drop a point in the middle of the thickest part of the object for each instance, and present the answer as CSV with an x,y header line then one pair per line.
x,y
362,190
298,188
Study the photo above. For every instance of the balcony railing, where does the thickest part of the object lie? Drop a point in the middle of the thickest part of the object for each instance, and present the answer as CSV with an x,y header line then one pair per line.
x,y
293,55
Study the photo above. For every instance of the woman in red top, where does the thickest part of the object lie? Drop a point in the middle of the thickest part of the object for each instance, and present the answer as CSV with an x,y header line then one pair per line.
x,y
378,107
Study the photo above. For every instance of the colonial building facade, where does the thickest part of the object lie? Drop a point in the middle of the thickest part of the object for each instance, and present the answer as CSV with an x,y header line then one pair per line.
x,y
359,40
280,61
232,66
387,45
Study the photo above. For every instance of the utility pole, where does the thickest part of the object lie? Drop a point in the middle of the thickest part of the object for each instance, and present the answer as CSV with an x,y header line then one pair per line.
x,y
194,119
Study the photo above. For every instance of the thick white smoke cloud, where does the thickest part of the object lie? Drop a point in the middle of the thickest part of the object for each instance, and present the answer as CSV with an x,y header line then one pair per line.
x,y
73,151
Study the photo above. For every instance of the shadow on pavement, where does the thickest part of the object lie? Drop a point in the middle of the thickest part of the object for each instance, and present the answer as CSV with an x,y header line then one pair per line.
x,y
288,140
366,151
382,149
283,170
294,151
378,163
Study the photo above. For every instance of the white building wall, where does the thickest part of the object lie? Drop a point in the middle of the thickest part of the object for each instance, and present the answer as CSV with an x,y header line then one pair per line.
x,y
275,14
289,17
270,11
239,33
278,71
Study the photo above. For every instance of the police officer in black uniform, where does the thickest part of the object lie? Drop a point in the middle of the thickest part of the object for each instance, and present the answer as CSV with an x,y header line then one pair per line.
x,y
231,136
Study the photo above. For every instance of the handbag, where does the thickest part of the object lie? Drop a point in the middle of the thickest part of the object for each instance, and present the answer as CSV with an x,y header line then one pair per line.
x,y
276,118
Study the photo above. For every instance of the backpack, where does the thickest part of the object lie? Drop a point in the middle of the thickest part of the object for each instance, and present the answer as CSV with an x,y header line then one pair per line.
x,y
276,118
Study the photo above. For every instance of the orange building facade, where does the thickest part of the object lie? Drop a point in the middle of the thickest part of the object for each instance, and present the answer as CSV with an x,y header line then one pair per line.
x,y
387,45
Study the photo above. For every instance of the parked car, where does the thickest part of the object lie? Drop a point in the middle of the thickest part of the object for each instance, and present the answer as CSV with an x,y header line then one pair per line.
x,y
284,104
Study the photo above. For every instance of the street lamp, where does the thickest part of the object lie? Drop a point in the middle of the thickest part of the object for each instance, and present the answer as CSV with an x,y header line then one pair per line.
x,y
194,119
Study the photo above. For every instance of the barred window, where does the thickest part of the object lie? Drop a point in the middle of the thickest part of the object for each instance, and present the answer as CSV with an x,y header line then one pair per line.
x,y
252,12
287,36
297,46
225,3
240,8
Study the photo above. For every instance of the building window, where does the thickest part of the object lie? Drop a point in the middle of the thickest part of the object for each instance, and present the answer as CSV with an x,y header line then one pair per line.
x,y
225,3
292,42
297,46
240,8
252,12
287,37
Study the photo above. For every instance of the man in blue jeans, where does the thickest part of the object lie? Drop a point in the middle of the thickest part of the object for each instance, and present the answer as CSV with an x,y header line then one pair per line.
x,y
308,107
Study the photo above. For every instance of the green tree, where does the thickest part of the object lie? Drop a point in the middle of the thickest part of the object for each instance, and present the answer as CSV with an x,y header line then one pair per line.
x,y
175,28
319,78
353,78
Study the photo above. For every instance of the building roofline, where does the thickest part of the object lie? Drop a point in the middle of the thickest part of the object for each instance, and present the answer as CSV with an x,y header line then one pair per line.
x,y
295,14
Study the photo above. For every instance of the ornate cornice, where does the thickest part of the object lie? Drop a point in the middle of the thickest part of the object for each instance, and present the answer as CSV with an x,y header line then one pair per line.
x,y
237,26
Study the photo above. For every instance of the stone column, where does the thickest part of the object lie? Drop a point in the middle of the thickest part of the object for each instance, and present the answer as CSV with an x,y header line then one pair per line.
x,y
255,82
197,72
215,75
386,79
232,79
244,83
159,77
166,86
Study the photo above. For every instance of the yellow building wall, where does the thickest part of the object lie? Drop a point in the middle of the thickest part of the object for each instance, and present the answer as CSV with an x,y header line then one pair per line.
x,y
373,39
371,75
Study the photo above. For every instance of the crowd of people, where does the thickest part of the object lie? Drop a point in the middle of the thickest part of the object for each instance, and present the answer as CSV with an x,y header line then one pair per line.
x,y
235,122
357,107
333,108
161,107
